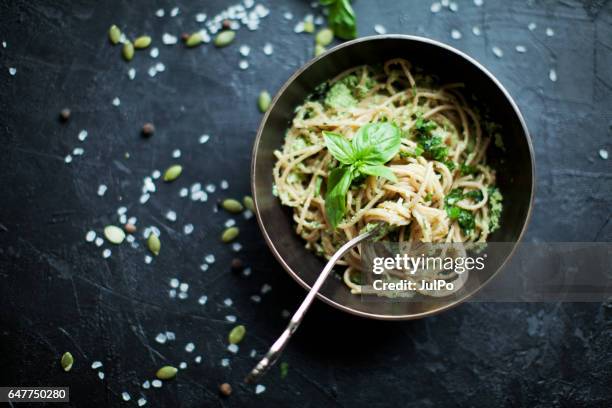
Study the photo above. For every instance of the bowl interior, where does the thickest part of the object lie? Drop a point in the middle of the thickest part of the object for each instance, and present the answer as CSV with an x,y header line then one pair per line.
x,y
514,169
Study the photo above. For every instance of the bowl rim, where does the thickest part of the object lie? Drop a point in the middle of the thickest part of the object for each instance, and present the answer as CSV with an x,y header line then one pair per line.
x,y
282,90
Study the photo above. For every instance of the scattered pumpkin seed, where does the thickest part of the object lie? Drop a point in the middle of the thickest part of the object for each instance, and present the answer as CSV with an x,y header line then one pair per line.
x,y
114,34
113,234
264,101
67,361
319,49
142,42
128,51
225,38
166,373
154,244
237,334
194,39
231,205
230,234
324,37
309,27
248,203
173,172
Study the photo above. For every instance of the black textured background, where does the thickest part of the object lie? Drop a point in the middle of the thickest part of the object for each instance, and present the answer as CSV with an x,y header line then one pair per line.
x,y
57,293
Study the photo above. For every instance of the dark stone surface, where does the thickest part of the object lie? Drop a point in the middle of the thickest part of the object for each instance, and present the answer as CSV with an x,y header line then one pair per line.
x,y
57,293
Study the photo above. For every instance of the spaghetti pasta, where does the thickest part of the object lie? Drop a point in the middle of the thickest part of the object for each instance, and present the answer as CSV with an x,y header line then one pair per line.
x,y
444,189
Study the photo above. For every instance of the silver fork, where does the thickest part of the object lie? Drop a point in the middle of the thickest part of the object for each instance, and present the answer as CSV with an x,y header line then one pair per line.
x,y
277,348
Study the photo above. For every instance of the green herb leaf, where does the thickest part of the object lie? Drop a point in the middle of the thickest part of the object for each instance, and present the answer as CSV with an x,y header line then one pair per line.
x,y
377,143
341,18
339,182
284,370
339,147
379,171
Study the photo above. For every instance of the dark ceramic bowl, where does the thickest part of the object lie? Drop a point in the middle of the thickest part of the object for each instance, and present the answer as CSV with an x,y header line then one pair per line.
x,y
515,173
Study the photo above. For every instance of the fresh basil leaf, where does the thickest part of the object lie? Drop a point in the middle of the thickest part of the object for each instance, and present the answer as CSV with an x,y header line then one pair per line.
x,y
453,197
339,182
378,171
339,147
341,19
468,169
377,143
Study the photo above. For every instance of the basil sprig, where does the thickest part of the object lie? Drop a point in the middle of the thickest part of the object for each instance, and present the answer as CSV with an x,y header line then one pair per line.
x,y
373,146
341,18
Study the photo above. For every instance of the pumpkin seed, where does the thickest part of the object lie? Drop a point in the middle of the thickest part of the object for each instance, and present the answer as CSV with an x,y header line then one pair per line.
x,y
231,205
230,234
194,40
225,38
309,27
319,49
114,34
128,51
248,203
142,42
166,373
154,244
173,172
264,101
67,361
324,37
113,234
237,334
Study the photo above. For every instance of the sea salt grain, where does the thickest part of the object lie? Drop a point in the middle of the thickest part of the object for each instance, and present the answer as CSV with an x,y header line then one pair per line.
x,y
211,188
521,49
203,139
265,288
225,362
435,7
131,73
141,402
231,318
116,102
476,30
288,15
156,383
125,396
170,335
183,295
224,185
203,299
497,51
169,39
78,151
552,75
184,287
259,389
100,375
174,283
172,293
96,364
82,135
245,50
68,159
204,267
456,34
188,229
102,189
189,347
148,259
183,365
210,259
161,338
106,253
380,29
171,216
478,3
228,302
253,353
603,153
174,12
12,71
198,359
200,17
99,241
550,32
232,348
184,192
146,385
453,7
176,153
256,298
532,26
236,247
91,235
268,49
154,53
160,13
244,64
